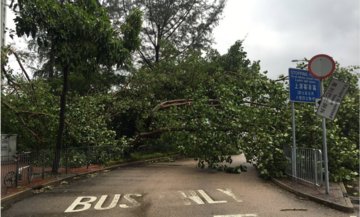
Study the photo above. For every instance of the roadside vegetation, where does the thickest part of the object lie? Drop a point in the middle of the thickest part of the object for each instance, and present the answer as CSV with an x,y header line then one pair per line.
x,y
138,156
189,99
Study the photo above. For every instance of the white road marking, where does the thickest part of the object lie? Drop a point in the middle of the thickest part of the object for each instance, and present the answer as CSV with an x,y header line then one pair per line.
x,y
230,193
208,199
193,196
237,215
131,200
77,202
102,200
85,205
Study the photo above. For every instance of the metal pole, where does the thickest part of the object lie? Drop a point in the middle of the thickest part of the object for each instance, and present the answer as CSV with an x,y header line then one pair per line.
x,y
317,134
43,166
67,159
294,143
315,167
324,145
87,158
17,172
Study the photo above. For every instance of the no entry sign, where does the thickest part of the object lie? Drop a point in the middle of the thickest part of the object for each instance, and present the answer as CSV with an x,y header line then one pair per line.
x,y
321,66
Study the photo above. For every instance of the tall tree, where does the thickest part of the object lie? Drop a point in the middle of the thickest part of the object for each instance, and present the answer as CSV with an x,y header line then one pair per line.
x,y
83,39
184,23
41,61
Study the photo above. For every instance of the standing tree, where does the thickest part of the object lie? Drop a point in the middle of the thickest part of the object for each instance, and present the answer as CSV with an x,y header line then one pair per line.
x,y
82,39
184,23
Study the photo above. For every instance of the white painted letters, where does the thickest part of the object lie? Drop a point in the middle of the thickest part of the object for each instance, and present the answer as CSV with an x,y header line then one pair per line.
x,y
79,205
102,200
230,193
208,199
237,215
77,202
131,200
193,196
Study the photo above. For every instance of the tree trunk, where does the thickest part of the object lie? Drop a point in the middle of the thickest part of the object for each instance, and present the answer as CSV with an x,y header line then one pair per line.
x,y
51,62
157,50
57,151
157,47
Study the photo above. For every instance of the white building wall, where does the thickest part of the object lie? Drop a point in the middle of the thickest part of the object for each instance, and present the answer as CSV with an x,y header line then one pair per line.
x,y
3,21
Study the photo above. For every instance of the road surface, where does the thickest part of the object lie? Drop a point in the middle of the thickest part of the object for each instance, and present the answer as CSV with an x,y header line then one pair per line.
x,y
170,189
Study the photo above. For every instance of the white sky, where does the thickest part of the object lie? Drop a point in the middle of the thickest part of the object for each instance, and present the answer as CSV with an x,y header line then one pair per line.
x,y
283,30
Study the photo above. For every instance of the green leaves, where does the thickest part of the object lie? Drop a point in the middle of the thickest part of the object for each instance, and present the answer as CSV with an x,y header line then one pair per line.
x,y
82,26
208,107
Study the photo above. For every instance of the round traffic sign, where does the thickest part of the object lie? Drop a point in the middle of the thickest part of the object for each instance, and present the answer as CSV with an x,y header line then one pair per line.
x,y
321,66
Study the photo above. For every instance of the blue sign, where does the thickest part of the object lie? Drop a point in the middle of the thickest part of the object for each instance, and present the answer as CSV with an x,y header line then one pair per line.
x,y
303,86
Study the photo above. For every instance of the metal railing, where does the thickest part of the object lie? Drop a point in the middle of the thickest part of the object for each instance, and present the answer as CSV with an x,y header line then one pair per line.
x,y
309,165
42,162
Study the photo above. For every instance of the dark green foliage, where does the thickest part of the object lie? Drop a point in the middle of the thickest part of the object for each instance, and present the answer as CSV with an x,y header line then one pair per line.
x,y
81,36
199,107
184,23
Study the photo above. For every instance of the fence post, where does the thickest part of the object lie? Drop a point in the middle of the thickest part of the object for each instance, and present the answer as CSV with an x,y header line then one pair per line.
x,y
315,166
17,173
43,166
108,153
66,160
321,168
87,158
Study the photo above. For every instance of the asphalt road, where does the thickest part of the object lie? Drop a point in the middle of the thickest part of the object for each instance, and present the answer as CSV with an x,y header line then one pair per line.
x,y
170,189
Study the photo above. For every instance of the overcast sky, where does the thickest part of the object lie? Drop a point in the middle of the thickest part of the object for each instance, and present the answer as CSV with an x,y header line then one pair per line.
x,y
283,30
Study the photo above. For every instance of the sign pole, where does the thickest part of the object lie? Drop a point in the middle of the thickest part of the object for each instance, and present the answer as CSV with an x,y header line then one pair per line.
x,y
293,160
324,145
303,87
322,66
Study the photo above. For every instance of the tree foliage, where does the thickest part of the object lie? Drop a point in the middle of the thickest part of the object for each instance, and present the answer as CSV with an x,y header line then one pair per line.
x,y
81,36
184,23
206,105
33,115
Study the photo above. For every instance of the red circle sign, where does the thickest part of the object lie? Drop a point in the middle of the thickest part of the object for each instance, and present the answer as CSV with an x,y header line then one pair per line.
x,y
321,66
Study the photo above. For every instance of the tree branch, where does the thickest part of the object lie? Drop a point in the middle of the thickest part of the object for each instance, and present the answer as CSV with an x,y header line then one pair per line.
x,y
154,133
180,102
122,90
266,105
282,79
8,77
181,19
32,114
147,33
21,66
22,120
144,58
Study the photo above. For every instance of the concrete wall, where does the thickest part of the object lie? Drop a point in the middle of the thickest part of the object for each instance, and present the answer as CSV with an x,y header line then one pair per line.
x,y
8,146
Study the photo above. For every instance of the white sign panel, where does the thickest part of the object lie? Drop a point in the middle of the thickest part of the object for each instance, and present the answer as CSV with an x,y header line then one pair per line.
x,y
317,104
330,101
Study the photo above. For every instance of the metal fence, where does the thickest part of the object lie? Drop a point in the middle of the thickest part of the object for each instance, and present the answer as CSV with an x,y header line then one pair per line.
x,y
309,165
42,162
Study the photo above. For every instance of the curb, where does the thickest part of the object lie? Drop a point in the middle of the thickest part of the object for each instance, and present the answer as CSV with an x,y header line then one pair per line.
x,y
343,189
7,201
348,209
346,196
